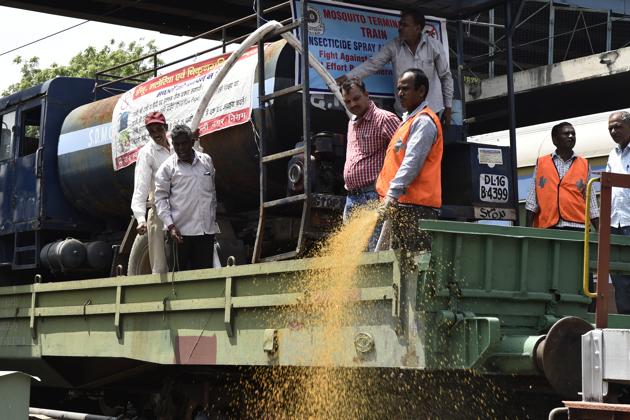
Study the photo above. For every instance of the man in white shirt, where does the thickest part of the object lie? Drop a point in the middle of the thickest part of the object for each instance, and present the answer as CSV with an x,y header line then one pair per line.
x,y
619,162
414,49
185,198
150,157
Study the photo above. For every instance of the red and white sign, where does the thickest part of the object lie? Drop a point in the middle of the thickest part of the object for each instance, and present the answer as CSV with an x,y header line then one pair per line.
x,y
177,95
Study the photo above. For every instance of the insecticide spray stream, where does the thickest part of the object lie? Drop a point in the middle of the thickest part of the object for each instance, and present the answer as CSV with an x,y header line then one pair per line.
x,y
323,326
330,392
326,313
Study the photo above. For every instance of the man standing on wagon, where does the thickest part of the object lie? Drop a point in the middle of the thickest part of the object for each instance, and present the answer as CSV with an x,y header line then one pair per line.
x,y
414,49
150,157
557,193
619,162
410,182
369,133
186,201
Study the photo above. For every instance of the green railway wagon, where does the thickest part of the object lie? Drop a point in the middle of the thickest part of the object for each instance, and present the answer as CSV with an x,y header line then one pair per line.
x,y
481,303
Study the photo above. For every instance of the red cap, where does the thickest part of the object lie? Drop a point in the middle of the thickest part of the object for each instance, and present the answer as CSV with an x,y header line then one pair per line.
x,y
154,117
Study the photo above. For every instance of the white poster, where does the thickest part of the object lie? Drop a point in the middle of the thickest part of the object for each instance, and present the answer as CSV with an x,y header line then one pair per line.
x,y
177,94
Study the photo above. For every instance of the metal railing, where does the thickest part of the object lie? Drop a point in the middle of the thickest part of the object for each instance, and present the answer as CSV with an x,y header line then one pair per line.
x,y
106,73
608,180
587,239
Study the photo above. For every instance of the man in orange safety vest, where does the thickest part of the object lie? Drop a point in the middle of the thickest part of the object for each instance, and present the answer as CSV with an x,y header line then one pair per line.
x,y
410,182
557,194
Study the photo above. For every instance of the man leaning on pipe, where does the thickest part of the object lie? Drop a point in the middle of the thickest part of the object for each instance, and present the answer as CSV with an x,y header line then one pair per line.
x,y
410,183
414,49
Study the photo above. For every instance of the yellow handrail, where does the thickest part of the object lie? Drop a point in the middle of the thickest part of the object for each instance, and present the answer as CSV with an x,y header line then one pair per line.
x,y
587,237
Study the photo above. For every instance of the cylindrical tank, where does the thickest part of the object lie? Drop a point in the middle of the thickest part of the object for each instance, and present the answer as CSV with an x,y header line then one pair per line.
x,y
71,255
84,159
235,150
99,255
90,182
63,255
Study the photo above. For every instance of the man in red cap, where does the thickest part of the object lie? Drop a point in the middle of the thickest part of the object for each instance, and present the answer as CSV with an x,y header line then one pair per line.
x,y
150,157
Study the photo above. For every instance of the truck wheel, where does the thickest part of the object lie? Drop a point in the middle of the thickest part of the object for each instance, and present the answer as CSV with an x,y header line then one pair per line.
x,y
139,262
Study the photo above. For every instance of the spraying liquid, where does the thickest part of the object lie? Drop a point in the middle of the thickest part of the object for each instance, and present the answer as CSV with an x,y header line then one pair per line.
x,y
329,285
323,390
329,392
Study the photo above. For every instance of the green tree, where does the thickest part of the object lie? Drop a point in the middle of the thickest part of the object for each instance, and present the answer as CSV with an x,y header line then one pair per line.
x,y
87,63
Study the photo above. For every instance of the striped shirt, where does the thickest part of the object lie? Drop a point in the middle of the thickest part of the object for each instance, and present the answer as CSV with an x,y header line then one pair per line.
x,y
563,167
368,138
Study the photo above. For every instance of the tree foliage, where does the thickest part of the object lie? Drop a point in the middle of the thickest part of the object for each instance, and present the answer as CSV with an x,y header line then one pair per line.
x,y
87,63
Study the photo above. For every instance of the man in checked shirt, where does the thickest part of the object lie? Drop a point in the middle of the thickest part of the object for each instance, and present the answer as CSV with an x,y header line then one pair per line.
x,y
369,133
557,194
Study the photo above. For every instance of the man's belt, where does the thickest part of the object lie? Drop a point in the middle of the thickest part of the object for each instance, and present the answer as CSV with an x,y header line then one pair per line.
x,y
362,190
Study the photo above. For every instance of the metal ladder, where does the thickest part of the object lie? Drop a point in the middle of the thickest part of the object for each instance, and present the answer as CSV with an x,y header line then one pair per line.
x,y
25,250
304,150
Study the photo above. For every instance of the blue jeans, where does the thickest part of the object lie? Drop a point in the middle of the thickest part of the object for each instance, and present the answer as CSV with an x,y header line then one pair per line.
x,y
621,282
359,199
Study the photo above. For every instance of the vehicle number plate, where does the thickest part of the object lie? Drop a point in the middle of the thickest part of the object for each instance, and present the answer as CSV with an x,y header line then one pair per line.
x,y
493,188
494,213
325,201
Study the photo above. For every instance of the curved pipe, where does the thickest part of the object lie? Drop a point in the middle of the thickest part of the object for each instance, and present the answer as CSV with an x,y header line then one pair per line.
x,y
252,39
556,411
69,415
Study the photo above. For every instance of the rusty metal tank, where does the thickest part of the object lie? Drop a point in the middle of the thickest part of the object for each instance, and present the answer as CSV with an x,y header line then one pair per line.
x,y
235,150
84,157
90,182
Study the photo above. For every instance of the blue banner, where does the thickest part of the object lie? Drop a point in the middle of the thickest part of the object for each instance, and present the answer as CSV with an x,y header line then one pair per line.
x,y
342,36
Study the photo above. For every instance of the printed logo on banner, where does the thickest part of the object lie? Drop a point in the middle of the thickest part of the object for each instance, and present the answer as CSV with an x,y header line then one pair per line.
x,y
177,95
315,24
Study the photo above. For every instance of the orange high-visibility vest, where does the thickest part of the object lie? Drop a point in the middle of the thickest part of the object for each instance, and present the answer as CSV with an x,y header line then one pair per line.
x,y
560,198
426,188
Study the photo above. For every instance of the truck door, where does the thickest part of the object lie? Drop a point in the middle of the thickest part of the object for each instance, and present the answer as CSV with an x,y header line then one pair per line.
x,y
7,130
26,191
7,166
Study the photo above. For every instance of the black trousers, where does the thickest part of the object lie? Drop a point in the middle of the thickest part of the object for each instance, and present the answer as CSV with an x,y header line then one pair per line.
x,y
569,228
407,235
621,282
196,252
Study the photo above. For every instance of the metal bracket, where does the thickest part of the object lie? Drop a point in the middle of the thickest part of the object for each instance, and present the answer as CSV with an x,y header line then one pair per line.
x,y
117,313
227,319
164,308
594,388
396,282
270,341
396,286
85,304
32,324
